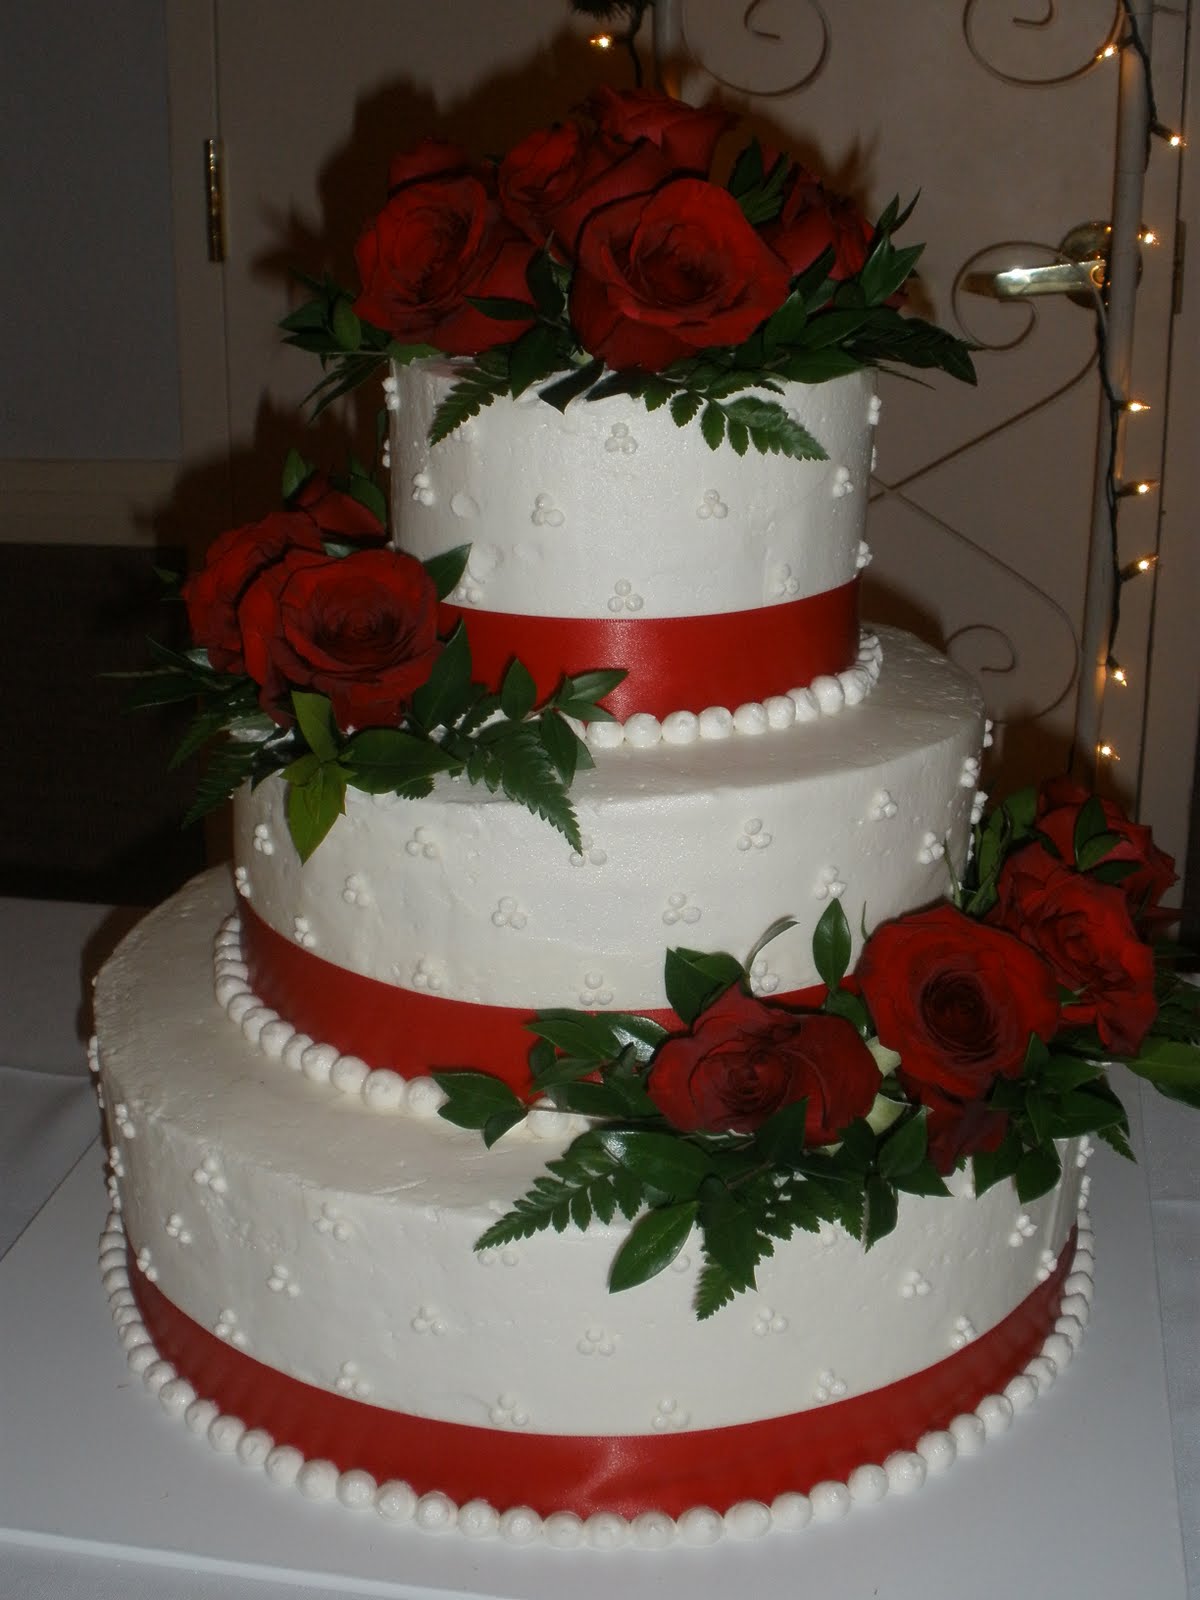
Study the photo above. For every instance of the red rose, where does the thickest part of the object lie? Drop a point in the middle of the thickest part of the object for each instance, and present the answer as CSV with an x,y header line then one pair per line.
x,y
237,558
233,562
958,1128
661,276
1082,930
743,1060
686,135
1059,805
438,241
335,515
432,158
550,183
813,220
957,999
361,630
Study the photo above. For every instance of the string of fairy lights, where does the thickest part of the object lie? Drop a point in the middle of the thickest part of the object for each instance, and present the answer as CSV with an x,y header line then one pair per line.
x,y
1128,37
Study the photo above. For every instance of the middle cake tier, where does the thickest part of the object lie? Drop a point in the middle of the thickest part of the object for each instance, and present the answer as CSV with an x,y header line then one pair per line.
x,y
423,933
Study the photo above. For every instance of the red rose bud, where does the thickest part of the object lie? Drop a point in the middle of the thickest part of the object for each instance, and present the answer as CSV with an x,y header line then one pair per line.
x,y
811,221
233,562
438,242
1082,930
957,999
661,276
1059,804
743,1060
686,135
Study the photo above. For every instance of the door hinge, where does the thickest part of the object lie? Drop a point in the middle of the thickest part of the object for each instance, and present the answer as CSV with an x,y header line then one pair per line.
x,y
214,198
1177,269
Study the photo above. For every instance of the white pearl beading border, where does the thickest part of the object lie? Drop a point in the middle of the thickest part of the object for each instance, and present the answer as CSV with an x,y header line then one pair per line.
x,y
379,1088
397,1502
825,696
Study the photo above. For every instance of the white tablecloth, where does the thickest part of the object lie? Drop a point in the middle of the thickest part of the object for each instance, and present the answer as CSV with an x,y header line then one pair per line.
x,y
48,1118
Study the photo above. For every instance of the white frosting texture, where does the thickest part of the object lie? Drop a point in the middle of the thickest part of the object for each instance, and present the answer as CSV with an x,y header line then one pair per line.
x,y
337,1245
469,896
610,510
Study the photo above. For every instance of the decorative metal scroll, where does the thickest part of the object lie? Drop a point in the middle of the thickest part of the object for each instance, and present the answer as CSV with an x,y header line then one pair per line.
x,y
1047,20
784,51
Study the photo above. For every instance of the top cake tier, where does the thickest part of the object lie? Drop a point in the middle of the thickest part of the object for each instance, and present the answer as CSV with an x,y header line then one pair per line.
x,y
606,536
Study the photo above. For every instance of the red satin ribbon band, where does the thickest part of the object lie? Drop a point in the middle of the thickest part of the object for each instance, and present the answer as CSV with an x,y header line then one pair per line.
x,y
404,1029
673,663
626,1474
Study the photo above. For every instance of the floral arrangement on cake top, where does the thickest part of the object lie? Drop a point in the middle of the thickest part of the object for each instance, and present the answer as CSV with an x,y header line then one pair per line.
x,y
978,1030
601,256
316,654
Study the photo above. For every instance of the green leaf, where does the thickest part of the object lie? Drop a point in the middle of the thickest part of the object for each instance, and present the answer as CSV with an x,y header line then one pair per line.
x,y
653,1243
903,1149
694,980
733,1236
579,696
712,425
663,1161
560,393
314,714
445,694
369,494
1037,1173
881,1211
923,1179
296,473
1116,1140
388,760
535,355
347,329
831,945
685,406
989,1168
314,807
303,770
463,400
1090,824
500,308
447,569
498,1125
518,692
473,1099
511,755
780,1140
1171,1065
561,743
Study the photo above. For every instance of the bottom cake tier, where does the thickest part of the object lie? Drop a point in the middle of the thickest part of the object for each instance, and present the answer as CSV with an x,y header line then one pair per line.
x,y
302,1283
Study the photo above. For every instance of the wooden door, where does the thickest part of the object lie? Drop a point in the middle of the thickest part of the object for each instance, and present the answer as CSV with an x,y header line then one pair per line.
x,y
999,112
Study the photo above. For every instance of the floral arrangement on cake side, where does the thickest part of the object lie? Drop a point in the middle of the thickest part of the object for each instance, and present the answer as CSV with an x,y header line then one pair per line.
x,y
600,255
978,1030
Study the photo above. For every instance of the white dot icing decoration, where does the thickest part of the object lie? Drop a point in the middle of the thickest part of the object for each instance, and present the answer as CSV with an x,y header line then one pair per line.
x,y
932,849
620,441
422,489
670,1416
508,914
545,513
507,1412
828,1386
263,841
842,486
753,836
680,909
712,506
422,844
596,1342
829,885
623,597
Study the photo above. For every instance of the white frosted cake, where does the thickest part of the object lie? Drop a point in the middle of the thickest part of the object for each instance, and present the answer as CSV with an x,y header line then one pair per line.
x,y
292,1261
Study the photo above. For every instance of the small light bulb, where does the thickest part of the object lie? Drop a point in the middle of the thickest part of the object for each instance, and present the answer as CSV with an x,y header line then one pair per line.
x,y
1144,564
1136,406
1107,753
1139,486
601,41
1117,674
1107,53
1148,236
1176,141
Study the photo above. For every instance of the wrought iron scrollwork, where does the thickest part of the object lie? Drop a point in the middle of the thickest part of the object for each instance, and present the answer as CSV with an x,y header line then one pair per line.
x,y
1049,18
789,50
